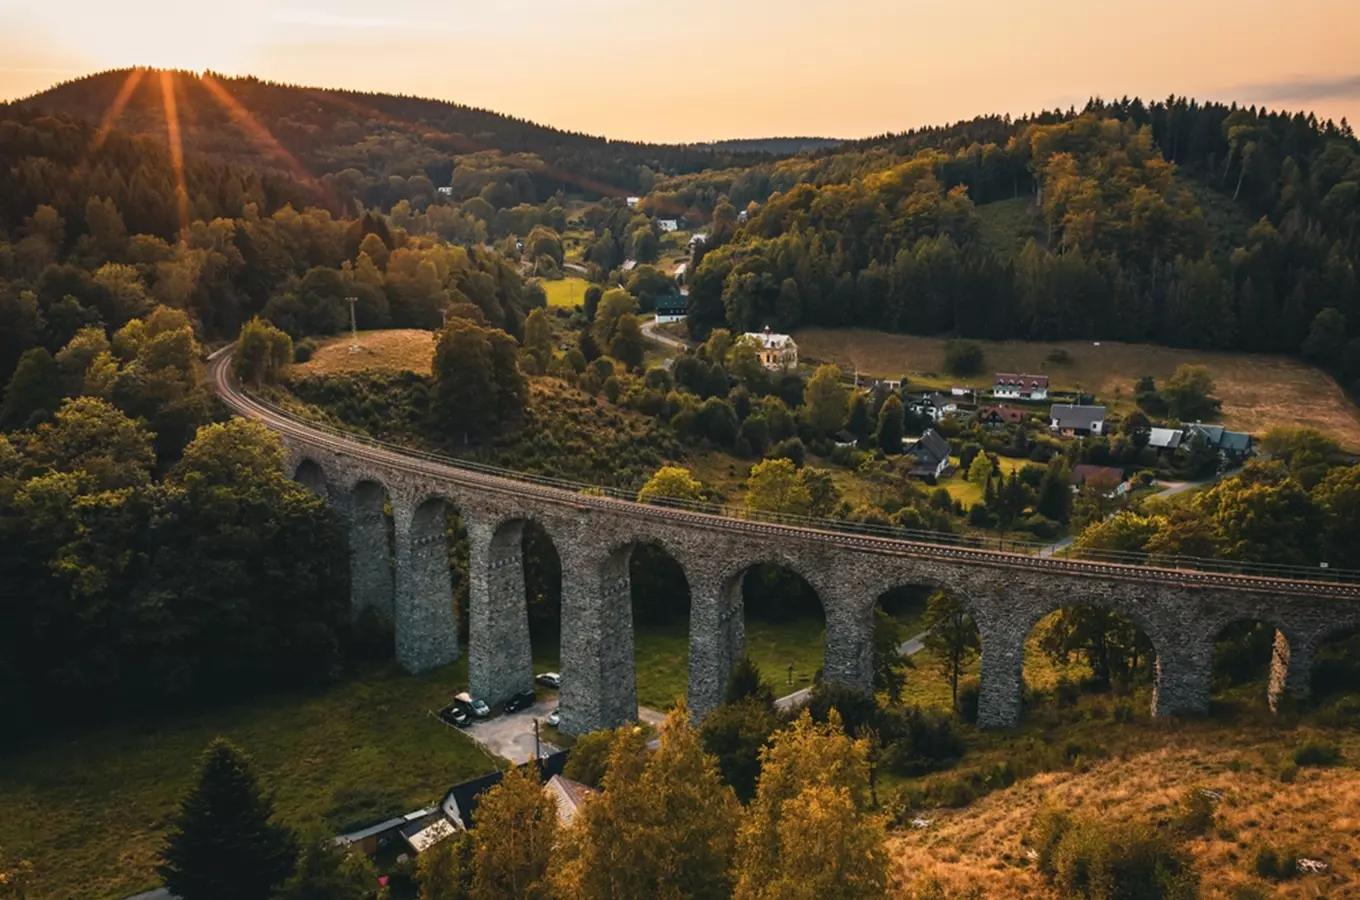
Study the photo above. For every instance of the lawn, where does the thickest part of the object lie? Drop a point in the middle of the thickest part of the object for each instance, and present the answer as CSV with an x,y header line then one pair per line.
x,y
400,349
1259,392
90,809
566,292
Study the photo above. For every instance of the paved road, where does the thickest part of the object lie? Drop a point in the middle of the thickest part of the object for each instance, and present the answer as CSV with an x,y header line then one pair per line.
x,y
512,736
798,698
652,330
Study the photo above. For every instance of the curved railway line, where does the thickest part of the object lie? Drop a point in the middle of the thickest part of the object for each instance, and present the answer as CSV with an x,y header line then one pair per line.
x,y
1279,580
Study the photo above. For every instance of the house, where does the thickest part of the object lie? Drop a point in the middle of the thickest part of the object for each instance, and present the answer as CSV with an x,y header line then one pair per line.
x,y
569,796
447,191
629,265
422,834
1233,446
375,837
633,202
668,226
671,308
961,392
1070,420
933,406
1020,387
680,272
460,801
697,239
1165,438
778,352
931,455
994,416
844,438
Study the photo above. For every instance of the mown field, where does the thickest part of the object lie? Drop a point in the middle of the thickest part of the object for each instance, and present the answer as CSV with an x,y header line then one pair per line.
x,y
565,292
1259,392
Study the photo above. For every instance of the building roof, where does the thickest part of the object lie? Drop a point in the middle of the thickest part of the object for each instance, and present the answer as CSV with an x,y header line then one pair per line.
x,y
460,802
671,304
425,833
931,448
1008,414
1235,441
1165,438
771,341
1022,382
569,796
1067,415
935,399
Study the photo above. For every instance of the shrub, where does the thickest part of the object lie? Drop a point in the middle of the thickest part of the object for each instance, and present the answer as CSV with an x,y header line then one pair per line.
x,y
978,516
969,693
918,741
303,350
1096,861
1317,752
791,449
963,357
1041,526
1195,816
1059,357
1275,865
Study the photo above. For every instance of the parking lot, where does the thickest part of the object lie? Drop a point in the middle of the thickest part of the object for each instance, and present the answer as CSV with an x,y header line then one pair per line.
x,y
512,736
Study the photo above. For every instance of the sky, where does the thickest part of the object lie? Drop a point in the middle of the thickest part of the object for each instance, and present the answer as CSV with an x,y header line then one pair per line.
x,y
708,69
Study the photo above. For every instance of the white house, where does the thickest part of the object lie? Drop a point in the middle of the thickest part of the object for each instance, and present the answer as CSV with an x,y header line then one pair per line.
x,y
668,226
447,191
778,352
1020,387
697,239
1078,421
933,406
633,201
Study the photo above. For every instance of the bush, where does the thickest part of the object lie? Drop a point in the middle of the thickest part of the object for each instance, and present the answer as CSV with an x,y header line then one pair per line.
x,y
1317,752
969,693
1041,526
791,449
963,357
304,350
1097,861
1195,816
978,516
1275,865
918,741
1059,357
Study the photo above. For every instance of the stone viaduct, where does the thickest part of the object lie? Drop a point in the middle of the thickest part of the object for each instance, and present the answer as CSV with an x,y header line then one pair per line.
x,y
1180,611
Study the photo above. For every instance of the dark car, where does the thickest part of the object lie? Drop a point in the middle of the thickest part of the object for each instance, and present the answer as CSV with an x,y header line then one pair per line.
x,y
522,700
455,714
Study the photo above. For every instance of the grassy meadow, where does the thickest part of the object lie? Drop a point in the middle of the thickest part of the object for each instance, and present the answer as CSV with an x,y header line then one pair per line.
x,y
565,292
90,809
399,349
1258,392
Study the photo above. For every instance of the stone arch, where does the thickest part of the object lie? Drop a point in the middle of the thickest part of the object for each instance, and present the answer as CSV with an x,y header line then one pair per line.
x,y
500,649
1246,646
903,597
372,584
1316,667
425,620
312,475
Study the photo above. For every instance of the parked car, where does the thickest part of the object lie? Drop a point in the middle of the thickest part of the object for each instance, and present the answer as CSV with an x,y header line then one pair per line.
x,y
550,679
476,707
522,700
554,718
455,714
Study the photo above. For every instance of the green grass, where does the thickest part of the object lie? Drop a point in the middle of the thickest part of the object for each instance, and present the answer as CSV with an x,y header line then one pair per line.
x,y
566,292
90,810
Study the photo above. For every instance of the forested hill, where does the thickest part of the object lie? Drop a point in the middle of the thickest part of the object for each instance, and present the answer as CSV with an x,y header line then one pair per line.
x,y
1177,223
362,140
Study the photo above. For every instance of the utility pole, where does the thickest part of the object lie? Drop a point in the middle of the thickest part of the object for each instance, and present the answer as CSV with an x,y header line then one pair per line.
x,y
353,324
538,753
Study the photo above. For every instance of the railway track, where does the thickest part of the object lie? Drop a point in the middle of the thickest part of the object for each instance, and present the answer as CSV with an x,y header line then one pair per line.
x,y
1280,580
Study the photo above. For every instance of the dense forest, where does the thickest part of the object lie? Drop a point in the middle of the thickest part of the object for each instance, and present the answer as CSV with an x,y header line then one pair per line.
x,y
378,149
1177,223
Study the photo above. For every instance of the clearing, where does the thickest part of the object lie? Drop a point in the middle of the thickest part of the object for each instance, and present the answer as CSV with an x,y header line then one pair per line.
x,y
565,292
1259,392
400,349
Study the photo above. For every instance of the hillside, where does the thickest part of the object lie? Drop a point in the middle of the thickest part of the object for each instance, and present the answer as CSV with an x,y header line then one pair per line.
x,y
246,120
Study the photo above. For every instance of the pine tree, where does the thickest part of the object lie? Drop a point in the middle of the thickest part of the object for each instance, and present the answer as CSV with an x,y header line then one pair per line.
x,y
224,845
890,426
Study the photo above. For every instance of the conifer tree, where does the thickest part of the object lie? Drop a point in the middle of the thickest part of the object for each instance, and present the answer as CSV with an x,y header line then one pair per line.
x,y
890,426
224,844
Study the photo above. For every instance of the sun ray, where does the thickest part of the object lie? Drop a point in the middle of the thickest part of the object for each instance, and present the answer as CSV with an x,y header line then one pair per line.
x,y
258,133
176,148
115,110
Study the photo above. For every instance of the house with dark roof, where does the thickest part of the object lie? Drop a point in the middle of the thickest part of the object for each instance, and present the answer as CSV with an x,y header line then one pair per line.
x,y
933,406
1071,420
1020,387
1165,438
996,416
930,455
1233,446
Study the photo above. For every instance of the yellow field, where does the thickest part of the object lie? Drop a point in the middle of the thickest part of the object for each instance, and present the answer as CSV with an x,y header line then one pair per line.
x,y
566,292
402,349
1318,815
1258,392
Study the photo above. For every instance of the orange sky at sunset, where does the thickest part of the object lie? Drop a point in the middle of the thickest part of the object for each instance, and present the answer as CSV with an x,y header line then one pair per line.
x,y
707,69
